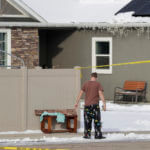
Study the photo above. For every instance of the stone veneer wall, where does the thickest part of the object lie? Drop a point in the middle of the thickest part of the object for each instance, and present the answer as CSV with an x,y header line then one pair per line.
x,y
25,44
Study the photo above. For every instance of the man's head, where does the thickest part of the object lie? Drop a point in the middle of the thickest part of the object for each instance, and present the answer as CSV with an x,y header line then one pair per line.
x,y
93,76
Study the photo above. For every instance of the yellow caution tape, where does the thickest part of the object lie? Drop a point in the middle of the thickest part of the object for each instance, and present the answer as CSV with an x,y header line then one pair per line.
x,y
119,64
25,148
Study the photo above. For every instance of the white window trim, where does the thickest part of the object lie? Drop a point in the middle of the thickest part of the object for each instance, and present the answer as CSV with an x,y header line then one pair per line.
x,y
94,40
8,32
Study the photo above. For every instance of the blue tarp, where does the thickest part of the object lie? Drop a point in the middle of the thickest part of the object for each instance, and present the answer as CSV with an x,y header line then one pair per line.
x,y
60,117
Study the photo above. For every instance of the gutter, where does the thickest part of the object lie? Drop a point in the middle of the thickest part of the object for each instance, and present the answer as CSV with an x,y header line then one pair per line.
x,y
73,25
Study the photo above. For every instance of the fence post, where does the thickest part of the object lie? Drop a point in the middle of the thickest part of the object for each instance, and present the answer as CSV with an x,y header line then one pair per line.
x,y
78,87
24,98
78,79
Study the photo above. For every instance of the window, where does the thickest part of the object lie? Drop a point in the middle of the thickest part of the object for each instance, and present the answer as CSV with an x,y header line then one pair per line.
x,y
102,55
5,47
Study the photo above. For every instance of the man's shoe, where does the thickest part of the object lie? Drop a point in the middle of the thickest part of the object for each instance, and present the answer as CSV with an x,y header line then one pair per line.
x,y
86,137
100,137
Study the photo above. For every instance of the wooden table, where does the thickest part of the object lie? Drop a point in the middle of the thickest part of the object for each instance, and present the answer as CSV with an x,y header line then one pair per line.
x,y
70,114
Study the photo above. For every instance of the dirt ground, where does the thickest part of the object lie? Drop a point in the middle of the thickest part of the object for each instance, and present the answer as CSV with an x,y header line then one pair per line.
x,y
138,145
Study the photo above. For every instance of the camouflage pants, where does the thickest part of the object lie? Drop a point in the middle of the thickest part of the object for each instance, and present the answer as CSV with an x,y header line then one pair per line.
x,y
92,112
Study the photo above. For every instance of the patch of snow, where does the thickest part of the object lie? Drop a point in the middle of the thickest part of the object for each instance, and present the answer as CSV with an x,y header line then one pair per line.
x,y
102,1
124,107
128,18
109,137
130,136
56,140
127,107
143,123
122,118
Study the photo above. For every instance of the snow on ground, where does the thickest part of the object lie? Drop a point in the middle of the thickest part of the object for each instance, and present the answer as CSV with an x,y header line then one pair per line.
x,y
55,140
123,118
127,107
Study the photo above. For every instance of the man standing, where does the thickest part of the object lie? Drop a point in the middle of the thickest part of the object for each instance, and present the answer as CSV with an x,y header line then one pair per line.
x,y
93,90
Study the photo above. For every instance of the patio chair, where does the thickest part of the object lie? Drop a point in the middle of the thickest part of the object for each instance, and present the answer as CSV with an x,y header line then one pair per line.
x,y
132,91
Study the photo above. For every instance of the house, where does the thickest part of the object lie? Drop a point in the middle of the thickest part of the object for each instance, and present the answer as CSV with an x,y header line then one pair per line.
x,y
64,34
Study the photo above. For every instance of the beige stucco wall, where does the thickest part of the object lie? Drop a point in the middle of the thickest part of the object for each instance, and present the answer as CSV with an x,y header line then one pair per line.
x,y
77,48
11,100
22,91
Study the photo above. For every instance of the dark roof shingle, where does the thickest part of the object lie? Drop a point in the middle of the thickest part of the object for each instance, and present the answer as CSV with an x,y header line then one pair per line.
x,y
139,7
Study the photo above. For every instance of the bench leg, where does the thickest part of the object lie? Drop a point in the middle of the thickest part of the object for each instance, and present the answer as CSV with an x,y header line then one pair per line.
x,y
49,119
49,124
68,124
75,125
43,126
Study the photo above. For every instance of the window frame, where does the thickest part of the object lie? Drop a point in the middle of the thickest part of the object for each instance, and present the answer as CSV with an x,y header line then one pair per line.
x,y
8,50
94,55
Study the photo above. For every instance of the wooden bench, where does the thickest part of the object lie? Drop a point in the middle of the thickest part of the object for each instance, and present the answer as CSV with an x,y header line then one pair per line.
x,y
70,114
131,91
